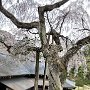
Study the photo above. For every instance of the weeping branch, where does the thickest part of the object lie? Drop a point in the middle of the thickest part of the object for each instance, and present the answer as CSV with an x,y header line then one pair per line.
x,y
75,48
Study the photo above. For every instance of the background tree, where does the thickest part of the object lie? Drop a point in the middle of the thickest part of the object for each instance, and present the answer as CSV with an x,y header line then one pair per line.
x,y
87,55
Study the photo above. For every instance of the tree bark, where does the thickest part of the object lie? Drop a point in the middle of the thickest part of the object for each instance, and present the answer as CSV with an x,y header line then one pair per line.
x,y
44,74
36,71
54,79
55,67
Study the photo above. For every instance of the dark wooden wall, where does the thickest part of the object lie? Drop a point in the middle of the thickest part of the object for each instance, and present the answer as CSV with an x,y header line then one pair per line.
x,y
2,86
66,89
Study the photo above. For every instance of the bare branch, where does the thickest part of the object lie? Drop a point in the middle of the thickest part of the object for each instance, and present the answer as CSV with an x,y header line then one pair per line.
x,y
29,48
75,48
51,7
50,28
7,46
64,17
83,22
84,29
49,21
50,33
32,24
42,28
16,22
55,35
0,2
26,50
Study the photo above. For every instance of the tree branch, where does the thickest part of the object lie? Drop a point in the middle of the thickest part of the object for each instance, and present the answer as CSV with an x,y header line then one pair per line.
x,y
42,32
51,28
50,33
24,50
53,6
0,2
42,27
15,21
8,47
75,48
84,29
32,24
64,17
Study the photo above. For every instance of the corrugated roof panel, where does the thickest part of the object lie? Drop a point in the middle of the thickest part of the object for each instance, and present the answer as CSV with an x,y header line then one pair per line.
x,y
69,84
11,67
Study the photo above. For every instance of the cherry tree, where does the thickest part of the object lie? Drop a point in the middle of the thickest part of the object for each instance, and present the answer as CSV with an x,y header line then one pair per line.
x,y
57,65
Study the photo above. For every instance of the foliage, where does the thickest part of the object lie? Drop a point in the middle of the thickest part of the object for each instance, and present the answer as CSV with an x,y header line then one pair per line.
x,y
87,55
80,77
87,51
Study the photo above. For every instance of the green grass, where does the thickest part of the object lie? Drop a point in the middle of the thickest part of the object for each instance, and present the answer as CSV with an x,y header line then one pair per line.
x,y
83,88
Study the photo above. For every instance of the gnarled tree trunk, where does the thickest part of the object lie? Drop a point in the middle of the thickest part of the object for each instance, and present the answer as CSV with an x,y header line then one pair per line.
x,y
55,68
54,79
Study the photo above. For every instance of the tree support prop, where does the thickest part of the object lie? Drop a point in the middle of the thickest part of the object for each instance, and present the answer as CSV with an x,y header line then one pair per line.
x,y
36,71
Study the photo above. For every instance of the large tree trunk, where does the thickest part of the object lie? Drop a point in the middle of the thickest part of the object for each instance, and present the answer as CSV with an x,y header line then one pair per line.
x,y
54,79
55,68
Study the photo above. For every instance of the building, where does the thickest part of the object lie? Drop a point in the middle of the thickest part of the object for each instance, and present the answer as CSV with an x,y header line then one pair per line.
x,y
69,85
23,77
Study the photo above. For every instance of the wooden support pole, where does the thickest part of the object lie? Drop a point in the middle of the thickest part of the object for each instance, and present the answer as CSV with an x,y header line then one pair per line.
x,y
36,71
44,74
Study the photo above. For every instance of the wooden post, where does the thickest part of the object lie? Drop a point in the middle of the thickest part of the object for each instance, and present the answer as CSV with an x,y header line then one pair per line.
x,y
44,74
36,71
